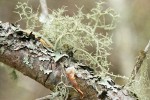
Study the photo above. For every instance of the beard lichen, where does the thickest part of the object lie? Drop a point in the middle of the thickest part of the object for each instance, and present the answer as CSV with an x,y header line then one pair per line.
x,y
80,34
77,33
140,85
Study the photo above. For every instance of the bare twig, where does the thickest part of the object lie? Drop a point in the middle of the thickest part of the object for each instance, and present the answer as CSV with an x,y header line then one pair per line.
x,y
147,47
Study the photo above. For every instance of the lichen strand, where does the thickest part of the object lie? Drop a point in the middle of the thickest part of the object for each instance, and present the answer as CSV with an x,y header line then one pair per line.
x,y
71,33
142,82
28,15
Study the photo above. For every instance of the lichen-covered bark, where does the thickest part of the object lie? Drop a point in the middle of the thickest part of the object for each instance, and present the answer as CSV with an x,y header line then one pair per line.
x,y
27,54
23,54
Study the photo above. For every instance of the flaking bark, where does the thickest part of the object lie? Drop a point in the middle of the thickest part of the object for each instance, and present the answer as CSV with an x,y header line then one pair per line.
x,y
27,55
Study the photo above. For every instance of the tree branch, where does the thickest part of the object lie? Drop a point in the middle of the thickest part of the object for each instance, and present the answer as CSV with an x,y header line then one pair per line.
x,y
139,61
27,54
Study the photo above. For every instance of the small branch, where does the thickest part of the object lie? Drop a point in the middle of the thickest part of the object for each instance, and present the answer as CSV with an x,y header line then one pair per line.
x,y
147,47
139,61
44,11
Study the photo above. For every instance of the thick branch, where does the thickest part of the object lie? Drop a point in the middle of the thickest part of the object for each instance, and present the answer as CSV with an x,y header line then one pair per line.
x,y
28,55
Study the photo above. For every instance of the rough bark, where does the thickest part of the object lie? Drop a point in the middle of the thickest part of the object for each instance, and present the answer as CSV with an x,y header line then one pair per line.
x,y
27,54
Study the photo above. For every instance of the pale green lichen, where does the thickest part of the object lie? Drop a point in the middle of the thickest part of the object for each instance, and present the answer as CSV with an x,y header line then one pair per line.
x,y
70,32
79,33
28,15
140,85
62,88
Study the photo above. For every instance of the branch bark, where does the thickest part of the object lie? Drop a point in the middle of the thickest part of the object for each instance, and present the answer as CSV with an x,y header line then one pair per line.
x,y
139,61
27,54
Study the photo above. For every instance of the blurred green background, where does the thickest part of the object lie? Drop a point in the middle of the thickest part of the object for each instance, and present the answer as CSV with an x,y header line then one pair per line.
x,y
130,36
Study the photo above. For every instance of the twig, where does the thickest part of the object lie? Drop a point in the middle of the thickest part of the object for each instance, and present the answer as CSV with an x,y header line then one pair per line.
x,y
147,47
44,11
139,61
